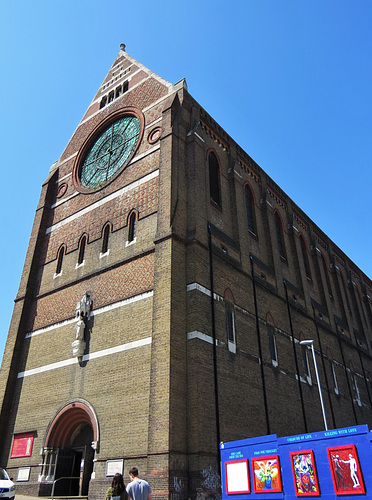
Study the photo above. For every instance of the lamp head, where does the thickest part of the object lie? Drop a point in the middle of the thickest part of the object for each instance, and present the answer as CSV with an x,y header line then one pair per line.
x,y
307,342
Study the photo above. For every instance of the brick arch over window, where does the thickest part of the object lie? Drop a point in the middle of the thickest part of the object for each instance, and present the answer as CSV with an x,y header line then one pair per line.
x,y
228,296
270,320
66,420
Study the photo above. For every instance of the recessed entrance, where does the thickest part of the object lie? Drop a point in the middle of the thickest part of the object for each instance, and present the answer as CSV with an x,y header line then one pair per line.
x,y
69,448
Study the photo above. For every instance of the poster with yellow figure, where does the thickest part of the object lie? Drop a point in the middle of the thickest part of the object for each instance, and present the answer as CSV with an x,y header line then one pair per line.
x,y
266,474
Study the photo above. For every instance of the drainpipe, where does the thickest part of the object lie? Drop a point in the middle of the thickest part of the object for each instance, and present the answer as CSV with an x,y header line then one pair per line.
x,y
295,354
260,347
214,344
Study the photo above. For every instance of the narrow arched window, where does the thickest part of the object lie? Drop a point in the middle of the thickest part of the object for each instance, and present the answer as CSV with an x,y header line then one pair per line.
x,y
230,320
61,254
354,383
305,359
272,345
230,327
103,102
132,227
305,258
214,179
249,206
82,246
280,236
326,275
332,368
105,239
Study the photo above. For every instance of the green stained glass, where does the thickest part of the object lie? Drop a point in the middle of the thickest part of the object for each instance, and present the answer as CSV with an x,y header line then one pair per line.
x,y
110,152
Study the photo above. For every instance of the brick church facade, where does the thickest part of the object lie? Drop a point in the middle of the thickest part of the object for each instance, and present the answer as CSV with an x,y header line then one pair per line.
x,y
167,286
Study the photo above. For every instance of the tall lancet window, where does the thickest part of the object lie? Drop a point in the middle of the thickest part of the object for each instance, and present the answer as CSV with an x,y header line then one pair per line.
x,y
132,227
105,239
82,246
214,179
280,236
249,206
60,256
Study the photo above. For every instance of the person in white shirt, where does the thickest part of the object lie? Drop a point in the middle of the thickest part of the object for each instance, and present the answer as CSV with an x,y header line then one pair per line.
x,y
138,489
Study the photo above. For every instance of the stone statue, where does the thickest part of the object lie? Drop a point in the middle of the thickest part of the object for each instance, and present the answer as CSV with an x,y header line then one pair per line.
x,y
82,311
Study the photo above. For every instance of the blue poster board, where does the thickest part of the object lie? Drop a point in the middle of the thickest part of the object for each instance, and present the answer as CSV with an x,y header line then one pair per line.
x,y
327,464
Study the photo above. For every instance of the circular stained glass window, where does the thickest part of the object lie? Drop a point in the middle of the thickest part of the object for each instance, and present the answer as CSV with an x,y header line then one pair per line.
x,y
110,152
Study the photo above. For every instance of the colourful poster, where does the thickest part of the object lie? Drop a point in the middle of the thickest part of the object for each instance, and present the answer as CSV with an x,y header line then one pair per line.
x,y
346,473
22,445
266,474
304,473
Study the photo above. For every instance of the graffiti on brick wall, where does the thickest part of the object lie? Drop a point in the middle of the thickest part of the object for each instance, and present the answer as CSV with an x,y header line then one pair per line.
x,y
211,486
178,487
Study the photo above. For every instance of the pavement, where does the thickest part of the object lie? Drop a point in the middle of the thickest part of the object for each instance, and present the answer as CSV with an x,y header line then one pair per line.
x,y
26,497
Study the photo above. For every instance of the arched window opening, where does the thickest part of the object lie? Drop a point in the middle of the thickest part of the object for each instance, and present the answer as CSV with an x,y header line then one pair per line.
x,y
280,236
249,205
230,326
132,227
105,239
230,320
305,258
273,345
82,245
326,274
354,384
61,254
214,179
305,359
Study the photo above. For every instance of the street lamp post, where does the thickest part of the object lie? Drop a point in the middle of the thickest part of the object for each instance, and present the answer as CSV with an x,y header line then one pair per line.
x,y
311,343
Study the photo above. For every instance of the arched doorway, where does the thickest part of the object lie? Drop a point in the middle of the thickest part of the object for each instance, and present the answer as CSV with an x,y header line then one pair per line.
x,y
68,451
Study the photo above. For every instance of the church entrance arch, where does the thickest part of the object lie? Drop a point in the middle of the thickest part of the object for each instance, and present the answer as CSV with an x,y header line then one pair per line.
x,y
68,450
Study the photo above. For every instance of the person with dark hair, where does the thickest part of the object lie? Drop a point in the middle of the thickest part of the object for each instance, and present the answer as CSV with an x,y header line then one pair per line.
x,y
117,490
138,489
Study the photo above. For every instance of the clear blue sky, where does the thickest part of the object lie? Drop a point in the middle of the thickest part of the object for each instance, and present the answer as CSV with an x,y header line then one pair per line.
x,y
289,80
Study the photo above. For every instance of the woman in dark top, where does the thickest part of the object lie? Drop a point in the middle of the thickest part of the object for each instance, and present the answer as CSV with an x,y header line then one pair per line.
x,y
117,489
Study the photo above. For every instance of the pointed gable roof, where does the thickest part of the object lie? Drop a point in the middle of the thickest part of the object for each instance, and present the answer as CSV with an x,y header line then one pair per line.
x,y
124,71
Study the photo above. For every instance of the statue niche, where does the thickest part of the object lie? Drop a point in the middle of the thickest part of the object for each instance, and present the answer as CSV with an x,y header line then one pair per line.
x,y
82,311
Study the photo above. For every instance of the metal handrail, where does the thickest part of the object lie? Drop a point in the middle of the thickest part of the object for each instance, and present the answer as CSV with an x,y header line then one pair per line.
x,y
65,477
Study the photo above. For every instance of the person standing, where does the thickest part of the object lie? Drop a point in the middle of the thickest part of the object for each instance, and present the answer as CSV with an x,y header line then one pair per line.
x,y
138,489
117,489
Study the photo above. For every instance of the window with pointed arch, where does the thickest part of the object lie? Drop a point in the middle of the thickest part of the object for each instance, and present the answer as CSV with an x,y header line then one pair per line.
x,y
280,236
105,239
333,371
305,360
249,207
60,257
326,275
230,320
273,347
132,222
214,179
305,257
354,383
82,247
